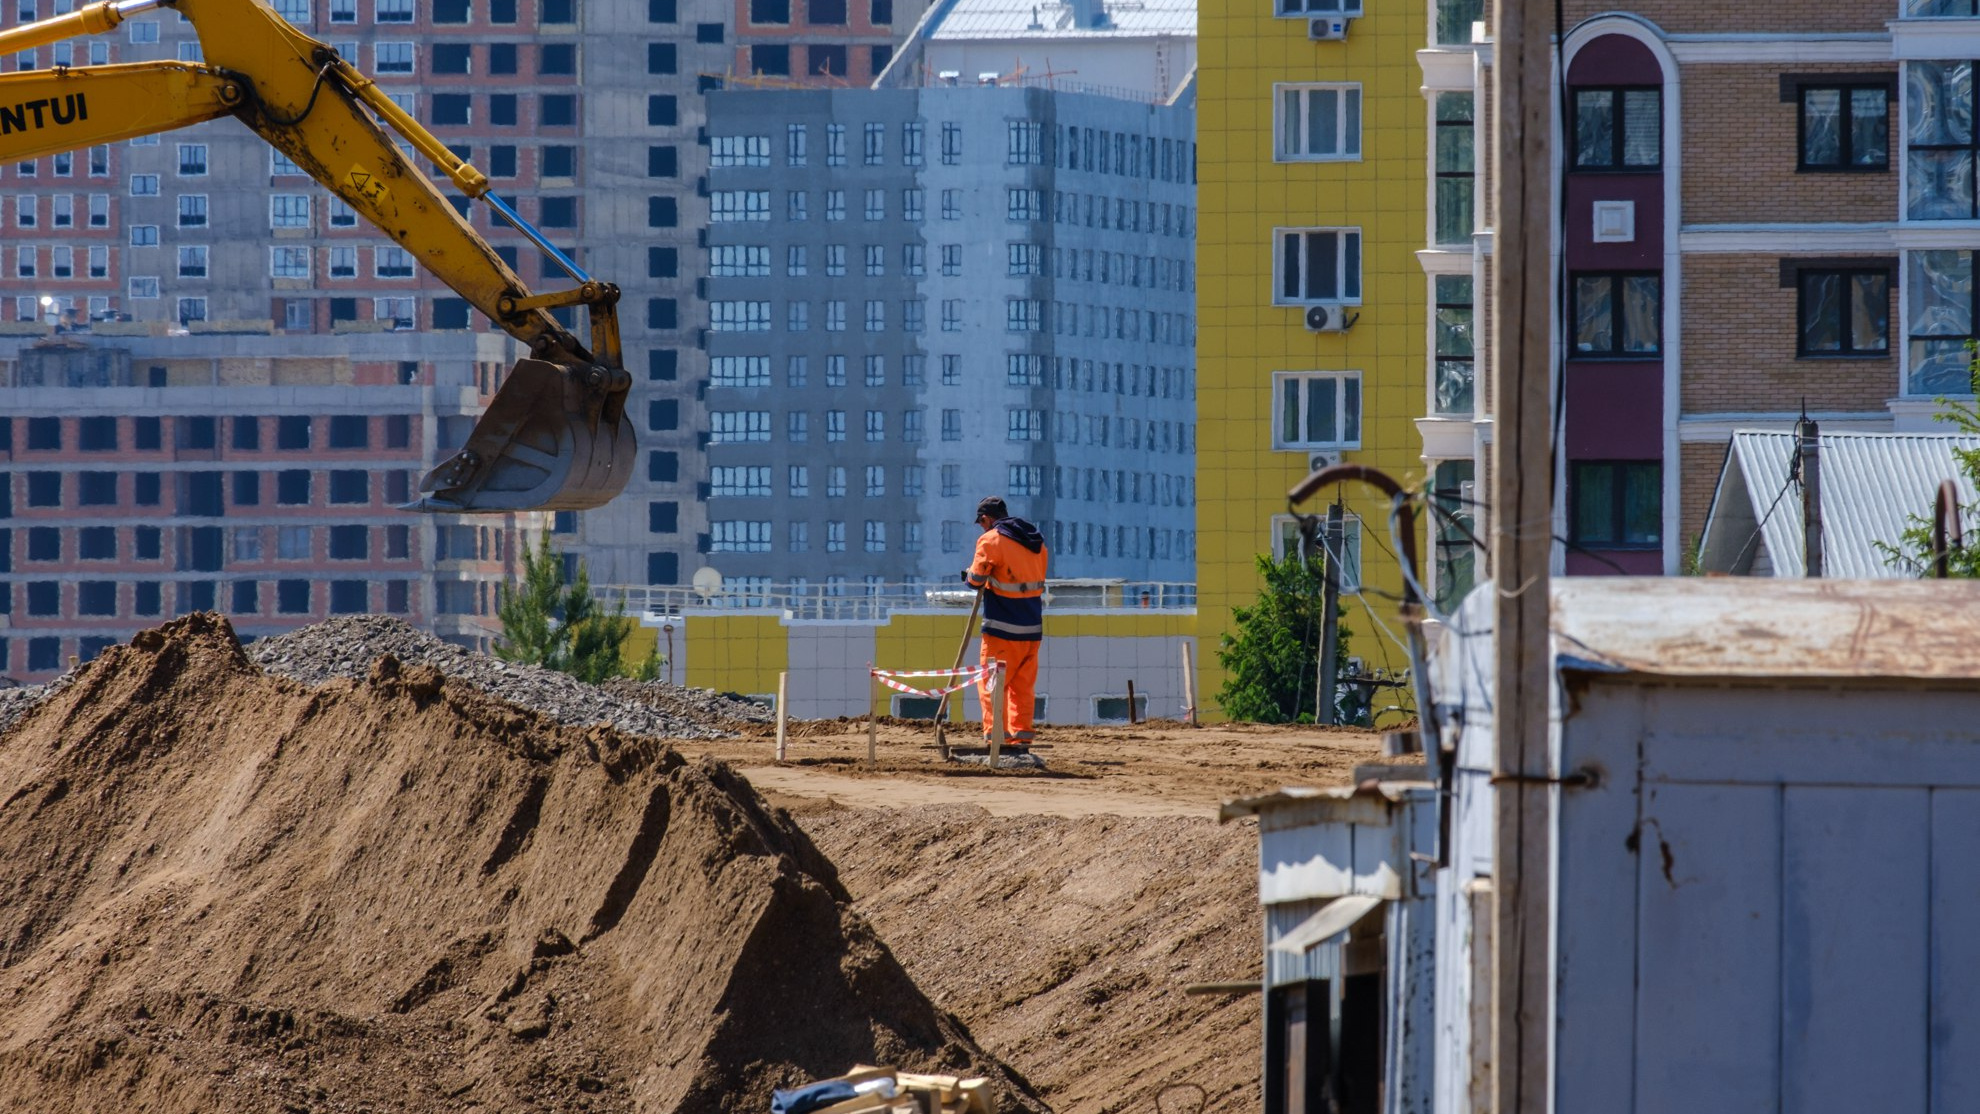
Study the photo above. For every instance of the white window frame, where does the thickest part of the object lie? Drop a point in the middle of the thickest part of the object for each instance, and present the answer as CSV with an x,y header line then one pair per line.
x,y
343,263
1347,91
392,262
289,262
403,57
202,156
288,210
1308,9
1279,380
730,206
1342,279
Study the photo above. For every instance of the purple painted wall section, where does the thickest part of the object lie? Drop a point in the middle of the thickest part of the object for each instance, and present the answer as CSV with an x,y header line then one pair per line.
x,y
1615,410
1615,60
1634,562
1645,252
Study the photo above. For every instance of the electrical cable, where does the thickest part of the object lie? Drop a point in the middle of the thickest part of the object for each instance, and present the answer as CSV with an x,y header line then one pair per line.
x,y
1794,473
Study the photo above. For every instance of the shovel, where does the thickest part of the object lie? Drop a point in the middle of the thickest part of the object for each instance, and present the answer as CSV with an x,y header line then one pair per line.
x,y
962,651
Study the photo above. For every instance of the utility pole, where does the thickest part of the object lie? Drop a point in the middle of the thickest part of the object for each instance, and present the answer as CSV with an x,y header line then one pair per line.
x,y
1521,538
1330,620
1810,435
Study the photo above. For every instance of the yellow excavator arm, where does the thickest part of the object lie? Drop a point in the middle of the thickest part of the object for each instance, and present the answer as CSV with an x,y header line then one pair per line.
x,y
556,435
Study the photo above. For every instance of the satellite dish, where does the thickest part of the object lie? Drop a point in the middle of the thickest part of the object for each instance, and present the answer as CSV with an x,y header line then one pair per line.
x,y
707,582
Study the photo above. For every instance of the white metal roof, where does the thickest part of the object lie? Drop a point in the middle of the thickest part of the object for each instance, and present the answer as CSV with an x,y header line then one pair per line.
x,y
1736,627
1871,483
1019,19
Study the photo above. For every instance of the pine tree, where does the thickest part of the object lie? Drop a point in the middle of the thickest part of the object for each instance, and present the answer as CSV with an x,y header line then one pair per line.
x,y
558,626
1271,653
532,613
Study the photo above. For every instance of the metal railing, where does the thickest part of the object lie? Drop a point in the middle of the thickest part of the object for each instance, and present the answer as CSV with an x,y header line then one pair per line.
x,y
875,602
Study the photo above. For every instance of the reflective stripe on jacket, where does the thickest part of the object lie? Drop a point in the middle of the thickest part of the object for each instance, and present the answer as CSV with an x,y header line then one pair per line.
x,y
1013,578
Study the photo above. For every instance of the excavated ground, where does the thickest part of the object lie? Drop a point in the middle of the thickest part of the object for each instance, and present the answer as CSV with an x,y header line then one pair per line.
x,y
223,890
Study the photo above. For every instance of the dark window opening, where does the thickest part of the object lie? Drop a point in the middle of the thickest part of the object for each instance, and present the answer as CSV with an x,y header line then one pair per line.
x,y
292,432
1845,313
662,58
1616,504
557,59
557,110
1618,129
1617,316
452,58
774,61
826,13
826,60
97,435
1845,127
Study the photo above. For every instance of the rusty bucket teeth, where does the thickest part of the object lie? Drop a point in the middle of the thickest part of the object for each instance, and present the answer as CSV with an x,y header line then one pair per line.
x,y
540,445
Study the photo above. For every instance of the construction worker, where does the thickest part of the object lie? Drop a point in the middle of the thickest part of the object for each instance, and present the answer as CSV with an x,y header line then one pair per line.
x,y
1010,571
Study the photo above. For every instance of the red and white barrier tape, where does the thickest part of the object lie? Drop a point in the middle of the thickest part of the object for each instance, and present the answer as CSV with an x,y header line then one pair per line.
x,y
968,677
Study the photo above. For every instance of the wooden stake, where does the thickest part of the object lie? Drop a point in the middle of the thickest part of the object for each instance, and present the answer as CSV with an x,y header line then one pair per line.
x,y
996,713
1132,719
1521,544
783,715
872,721
1189,686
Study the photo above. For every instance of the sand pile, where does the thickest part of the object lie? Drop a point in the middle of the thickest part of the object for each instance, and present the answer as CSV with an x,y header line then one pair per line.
x,y
1065,943
224,891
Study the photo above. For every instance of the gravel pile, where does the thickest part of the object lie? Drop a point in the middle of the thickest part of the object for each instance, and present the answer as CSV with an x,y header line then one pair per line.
x,y
346,647
21,699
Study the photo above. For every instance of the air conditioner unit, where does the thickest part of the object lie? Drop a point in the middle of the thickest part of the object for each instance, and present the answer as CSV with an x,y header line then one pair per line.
x,y
1317,461
1326,28
1329,318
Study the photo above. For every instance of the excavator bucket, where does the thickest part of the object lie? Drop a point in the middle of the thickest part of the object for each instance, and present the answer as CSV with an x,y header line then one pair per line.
x,y
546,442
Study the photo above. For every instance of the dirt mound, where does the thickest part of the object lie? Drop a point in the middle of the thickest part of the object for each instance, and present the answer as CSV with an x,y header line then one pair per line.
x,y
1065,943
223,891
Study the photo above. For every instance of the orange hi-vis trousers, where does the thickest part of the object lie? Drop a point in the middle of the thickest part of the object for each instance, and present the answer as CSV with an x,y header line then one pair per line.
x,y
1020,688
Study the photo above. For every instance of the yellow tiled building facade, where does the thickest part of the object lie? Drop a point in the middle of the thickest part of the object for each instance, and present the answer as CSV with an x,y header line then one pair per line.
x,y
1315,189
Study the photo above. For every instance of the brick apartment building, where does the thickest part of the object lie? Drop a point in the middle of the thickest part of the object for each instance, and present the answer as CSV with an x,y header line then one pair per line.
x,y
820,43
584,116
146,477
1766,209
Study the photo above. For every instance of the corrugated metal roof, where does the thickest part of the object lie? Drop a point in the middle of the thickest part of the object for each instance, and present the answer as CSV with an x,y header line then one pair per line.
x,y
1017,19
1740,627
1871,484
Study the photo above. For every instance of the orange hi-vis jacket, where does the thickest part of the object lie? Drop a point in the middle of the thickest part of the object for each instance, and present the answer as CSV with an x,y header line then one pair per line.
x,y
1010,567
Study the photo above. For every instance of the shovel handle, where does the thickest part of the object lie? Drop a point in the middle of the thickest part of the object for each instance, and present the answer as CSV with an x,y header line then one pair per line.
x,y
962,651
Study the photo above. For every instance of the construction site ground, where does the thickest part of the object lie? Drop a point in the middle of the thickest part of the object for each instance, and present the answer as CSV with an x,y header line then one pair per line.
x,y
1060,913
357,871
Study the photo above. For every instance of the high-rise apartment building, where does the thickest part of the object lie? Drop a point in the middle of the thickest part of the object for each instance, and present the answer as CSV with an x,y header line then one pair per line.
x,y
928,292
1321,252
585,116
919,297
826,43
1765,212
148,476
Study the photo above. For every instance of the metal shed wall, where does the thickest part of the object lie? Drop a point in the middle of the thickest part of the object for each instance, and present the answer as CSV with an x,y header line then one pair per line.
x,y
1770,900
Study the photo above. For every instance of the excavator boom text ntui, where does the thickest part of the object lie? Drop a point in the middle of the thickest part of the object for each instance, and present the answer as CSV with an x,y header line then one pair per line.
x,y
556,435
